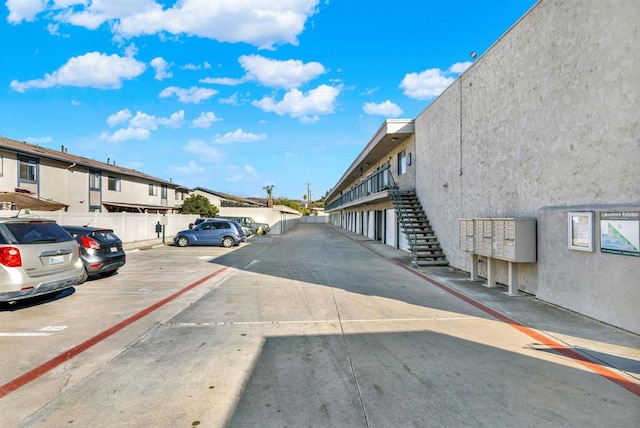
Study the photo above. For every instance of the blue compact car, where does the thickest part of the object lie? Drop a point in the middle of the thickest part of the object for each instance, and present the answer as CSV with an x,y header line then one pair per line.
x,y
226,233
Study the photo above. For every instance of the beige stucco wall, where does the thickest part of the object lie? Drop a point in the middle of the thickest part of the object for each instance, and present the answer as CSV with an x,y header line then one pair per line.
x,y
9,176
549,116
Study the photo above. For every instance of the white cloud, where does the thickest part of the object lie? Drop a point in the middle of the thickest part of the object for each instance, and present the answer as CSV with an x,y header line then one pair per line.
x,y
226,81
205,120
120,117
306,107
233,99
126,134
431,82
38,140
24,10
191,168
460,67
387,109
161,67
53,29
192,66
94,69
193,95
287,74
139,127
239,136
370,91
256,22
204,151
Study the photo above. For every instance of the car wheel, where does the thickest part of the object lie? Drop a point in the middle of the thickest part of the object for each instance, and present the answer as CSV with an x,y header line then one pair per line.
x,y
228,242
182,241
85,276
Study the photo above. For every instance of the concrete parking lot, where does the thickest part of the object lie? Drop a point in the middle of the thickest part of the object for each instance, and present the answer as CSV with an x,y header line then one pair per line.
x,y
316,328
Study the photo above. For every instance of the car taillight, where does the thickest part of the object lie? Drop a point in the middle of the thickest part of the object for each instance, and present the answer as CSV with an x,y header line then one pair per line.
x,y
10,257
89,243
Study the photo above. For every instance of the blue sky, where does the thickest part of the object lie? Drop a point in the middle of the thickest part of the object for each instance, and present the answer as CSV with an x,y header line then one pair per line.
x,y
232,95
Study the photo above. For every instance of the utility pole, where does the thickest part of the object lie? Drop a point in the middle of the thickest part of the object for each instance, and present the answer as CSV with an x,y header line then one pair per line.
x,y
308,195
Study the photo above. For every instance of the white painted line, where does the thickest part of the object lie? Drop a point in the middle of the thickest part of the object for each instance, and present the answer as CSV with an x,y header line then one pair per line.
x,y
54,328
249,264
335,321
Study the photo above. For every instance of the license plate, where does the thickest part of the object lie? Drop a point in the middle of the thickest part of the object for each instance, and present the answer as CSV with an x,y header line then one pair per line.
x,y
56,260
113,249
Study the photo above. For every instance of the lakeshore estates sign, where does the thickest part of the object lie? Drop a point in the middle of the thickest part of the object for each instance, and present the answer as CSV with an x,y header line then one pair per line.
x,y
620,233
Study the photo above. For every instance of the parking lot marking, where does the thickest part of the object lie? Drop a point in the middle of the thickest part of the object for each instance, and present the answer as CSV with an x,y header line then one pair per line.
x,y
32,375
54,328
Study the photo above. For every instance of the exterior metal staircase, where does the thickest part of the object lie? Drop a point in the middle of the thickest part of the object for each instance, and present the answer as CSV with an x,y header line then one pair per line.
x,y
423,242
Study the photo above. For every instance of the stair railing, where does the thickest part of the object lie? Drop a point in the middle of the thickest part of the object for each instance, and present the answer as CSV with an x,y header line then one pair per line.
x,y
402,212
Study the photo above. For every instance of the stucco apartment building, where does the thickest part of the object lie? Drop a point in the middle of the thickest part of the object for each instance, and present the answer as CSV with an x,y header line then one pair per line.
x,y
525,172
81,184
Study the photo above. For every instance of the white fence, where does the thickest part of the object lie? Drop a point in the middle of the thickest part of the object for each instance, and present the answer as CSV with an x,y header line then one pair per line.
x,y
130,227
133,228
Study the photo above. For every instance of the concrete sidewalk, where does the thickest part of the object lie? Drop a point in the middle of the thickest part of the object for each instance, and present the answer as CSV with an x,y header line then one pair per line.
x,y
597,341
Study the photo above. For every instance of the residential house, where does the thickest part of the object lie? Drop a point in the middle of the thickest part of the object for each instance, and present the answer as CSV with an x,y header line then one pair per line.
x,y
81,184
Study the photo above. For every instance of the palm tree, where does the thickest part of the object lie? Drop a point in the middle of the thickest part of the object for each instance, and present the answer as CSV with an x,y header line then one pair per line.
x,y
269,190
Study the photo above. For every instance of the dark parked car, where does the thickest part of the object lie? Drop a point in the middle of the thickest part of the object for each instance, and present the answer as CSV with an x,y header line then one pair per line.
x,y
253,226
249,225
37,257
211,232
100,249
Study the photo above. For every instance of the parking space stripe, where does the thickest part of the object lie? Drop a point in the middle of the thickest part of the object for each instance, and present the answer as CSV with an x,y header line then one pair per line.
x,y
32,375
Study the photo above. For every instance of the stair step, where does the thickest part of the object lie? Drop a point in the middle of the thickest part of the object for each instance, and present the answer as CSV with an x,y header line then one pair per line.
x,y
436,253
427,244
432,263
423,242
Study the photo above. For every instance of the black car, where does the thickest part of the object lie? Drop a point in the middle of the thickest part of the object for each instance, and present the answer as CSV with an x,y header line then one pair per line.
x,y
100,249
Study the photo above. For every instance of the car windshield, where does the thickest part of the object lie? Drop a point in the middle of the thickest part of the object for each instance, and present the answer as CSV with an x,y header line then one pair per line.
x,y
104,236
38,233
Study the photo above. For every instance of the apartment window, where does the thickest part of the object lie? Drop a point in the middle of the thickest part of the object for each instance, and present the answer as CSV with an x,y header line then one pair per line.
x,y
28,170
114,184
94,180
402,162
1,165
179,196
153,190
165,192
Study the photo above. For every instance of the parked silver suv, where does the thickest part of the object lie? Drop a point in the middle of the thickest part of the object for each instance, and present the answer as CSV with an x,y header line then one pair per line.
x,y
37,257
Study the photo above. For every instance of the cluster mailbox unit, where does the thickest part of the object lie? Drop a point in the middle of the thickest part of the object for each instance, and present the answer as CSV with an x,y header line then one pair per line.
x,y
512,239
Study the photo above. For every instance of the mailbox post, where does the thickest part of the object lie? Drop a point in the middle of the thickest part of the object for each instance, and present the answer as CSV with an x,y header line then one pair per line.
x,y
163,222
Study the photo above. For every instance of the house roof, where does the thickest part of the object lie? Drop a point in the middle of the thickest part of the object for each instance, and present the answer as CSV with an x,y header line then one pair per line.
x,y
229,197
22,201
62,156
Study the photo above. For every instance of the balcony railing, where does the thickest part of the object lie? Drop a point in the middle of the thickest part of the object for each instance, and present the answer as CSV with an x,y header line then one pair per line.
x,y
375,183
